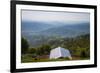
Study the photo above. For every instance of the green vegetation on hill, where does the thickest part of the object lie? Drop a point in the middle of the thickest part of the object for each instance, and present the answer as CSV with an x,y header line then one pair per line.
x,y
78,46
24,45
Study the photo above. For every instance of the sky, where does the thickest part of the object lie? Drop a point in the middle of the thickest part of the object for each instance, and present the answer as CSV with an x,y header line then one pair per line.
x,y
52,16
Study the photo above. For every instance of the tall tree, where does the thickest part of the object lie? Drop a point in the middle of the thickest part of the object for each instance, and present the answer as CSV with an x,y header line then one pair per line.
x,y
24,45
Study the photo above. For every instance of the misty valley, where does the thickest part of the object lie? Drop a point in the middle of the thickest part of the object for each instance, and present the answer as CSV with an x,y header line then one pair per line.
x,y
43,37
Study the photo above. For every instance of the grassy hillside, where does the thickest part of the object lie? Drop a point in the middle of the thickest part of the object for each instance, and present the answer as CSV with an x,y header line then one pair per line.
x,y
78,46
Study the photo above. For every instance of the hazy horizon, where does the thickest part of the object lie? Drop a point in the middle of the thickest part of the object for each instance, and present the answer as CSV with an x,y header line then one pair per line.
x,y
55,17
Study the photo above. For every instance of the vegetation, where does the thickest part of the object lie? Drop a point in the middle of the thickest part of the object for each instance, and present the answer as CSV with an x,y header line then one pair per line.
x,y
24,45
78,46
28,58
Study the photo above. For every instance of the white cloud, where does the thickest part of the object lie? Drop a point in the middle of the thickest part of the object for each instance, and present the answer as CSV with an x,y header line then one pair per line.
x,y
50,16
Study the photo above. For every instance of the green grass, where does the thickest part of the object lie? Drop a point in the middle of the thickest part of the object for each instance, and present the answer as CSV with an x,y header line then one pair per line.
x,y
28,58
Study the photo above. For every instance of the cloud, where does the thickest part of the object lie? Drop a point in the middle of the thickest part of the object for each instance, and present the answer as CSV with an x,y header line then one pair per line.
x,y
51,16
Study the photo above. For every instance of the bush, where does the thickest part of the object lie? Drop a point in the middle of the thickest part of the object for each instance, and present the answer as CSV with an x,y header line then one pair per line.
x,y
43,50
32,50
24,45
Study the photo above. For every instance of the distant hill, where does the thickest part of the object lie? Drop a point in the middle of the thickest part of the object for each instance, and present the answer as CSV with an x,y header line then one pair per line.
x,y
33,27
67,30
40,32
49,29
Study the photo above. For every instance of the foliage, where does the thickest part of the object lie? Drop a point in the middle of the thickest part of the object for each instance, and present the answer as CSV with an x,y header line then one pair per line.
x,y
24,45
41,50
45,49
78,46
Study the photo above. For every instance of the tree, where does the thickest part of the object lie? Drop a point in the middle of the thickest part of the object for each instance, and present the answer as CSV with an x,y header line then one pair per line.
x,y
24,45
43,49
83,54
47,49
32,50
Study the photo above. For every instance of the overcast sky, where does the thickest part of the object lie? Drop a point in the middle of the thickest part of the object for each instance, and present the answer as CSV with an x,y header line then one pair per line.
x,y
50,16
